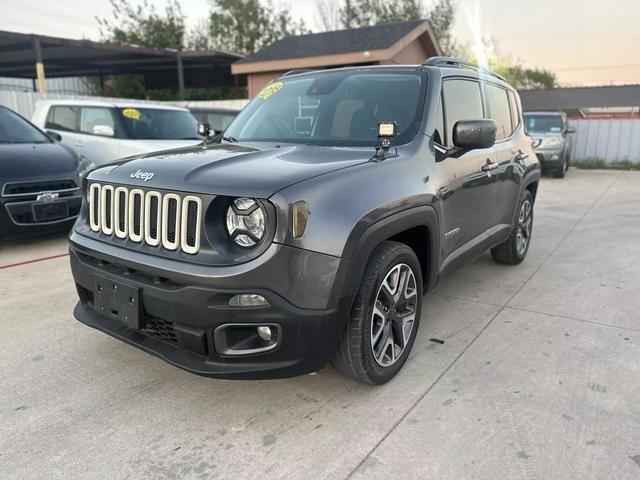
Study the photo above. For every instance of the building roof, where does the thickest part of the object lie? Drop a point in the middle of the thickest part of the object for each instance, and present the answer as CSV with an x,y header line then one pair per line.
x,y
355,45
331,43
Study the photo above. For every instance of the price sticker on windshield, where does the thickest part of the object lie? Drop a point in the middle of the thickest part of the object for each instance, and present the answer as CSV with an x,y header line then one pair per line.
x,y
132,113
270,90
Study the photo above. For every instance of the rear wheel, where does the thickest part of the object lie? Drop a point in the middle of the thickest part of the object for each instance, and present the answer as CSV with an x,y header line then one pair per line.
x,y
384,320
514,249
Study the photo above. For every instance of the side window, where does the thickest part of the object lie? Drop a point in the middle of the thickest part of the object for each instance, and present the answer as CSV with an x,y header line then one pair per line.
x,y
515,114
498,105
438,135
63,118
97,121
462,101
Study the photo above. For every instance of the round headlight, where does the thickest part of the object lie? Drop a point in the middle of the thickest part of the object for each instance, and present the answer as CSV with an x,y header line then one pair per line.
x,y
246,222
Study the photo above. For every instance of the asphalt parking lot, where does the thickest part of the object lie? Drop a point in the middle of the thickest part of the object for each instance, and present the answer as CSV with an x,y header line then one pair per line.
x,y
538,378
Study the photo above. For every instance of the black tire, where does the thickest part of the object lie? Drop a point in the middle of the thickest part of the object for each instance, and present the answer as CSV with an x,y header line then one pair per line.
x,y
354,356
510,251
560,171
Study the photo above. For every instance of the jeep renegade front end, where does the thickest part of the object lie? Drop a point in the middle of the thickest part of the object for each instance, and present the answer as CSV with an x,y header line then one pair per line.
x,y
311,231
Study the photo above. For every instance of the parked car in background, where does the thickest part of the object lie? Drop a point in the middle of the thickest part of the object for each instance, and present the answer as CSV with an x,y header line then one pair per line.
x,y
40,179
105,131
551,140
303,239
218,118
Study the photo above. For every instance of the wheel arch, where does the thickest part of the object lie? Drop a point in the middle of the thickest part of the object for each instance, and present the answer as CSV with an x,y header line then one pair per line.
x,y
416,227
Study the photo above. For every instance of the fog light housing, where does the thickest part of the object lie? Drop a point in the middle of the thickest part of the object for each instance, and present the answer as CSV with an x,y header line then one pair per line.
x,y
248,300
265,333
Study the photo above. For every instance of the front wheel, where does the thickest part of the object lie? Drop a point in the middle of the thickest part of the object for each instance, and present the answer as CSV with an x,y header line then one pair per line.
x,y
514,249
384,320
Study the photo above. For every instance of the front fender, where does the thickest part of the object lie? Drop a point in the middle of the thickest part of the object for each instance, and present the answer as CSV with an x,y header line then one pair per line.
x,y
365,237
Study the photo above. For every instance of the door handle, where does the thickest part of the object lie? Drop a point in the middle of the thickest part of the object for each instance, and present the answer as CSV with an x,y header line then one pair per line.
x,y
490,166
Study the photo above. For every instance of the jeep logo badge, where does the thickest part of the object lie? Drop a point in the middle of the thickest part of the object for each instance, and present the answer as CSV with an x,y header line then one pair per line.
x,y
144,176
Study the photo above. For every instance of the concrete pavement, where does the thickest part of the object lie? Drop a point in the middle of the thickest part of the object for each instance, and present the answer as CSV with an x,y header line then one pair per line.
x,y
539,375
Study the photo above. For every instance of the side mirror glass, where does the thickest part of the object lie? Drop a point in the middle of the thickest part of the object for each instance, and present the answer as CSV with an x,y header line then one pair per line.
x,y
474,134
56,137
103,130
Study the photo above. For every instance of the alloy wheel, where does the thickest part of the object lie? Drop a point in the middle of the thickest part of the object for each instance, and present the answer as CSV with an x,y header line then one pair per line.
x,y
394,314
523,233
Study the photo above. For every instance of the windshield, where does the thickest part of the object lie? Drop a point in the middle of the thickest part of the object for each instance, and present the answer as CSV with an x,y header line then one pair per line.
x,y
15,129
543,123
341,108
155,123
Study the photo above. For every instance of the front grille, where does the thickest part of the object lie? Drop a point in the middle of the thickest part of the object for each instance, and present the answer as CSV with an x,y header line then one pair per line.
x,y
34,188
161,329
168,219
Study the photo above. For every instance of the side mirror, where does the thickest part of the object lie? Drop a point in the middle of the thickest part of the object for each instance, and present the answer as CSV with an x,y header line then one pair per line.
x,y
103,130
56,137
570,130
474,134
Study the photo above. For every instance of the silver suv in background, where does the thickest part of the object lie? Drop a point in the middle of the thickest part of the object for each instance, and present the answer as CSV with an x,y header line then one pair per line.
x,y
103,132
551,140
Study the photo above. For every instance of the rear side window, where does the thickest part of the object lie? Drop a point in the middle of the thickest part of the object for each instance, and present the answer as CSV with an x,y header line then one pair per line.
x,y
462,101
498,106
97,121
63,118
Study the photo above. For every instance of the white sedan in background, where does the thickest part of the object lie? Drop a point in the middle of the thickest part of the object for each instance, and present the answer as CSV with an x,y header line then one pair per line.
x,y
103,132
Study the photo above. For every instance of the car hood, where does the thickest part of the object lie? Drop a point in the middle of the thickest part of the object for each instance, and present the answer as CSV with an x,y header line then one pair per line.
x,y
256,170
32,160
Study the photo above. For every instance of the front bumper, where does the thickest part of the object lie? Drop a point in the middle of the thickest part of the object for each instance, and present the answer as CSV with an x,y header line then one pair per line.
x,y
17,215
179,315
550,158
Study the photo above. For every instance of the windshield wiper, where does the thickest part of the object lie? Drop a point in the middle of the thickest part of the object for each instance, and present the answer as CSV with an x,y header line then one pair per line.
x,y
230,139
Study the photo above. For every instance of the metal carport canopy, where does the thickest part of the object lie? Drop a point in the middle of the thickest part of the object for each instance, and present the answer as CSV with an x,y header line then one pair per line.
x,y
581,97
21,53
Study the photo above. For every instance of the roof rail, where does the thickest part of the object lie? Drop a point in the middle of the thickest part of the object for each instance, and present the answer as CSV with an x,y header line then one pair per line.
x,y
457,63
297,71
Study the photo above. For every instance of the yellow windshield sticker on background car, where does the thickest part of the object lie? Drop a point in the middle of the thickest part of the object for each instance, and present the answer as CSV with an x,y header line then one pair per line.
x,y
132,113
270,90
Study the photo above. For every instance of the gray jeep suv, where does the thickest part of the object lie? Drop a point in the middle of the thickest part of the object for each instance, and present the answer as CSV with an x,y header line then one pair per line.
x,y
551,135
311,231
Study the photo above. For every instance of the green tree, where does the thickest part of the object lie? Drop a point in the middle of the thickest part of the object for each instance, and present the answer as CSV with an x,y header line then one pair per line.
x,y
246,26
143,25
139,25
518,76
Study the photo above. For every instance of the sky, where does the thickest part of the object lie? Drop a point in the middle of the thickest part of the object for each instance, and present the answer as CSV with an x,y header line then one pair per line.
x,y
585,42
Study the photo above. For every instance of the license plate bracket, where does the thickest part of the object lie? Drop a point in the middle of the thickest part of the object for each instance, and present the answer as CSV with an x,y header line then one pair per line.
x,y
119,301
48,211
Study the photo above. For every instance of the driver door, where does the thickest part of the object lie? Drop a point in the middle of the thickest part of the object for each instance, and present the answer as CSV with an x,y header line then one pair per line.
x,y
467,184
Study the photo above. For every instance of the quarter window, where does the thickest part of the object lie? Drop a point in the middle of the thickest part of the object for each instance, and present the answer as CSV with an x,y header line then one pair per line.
x,y
515,114
438,135
498,106
63,118
462,101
